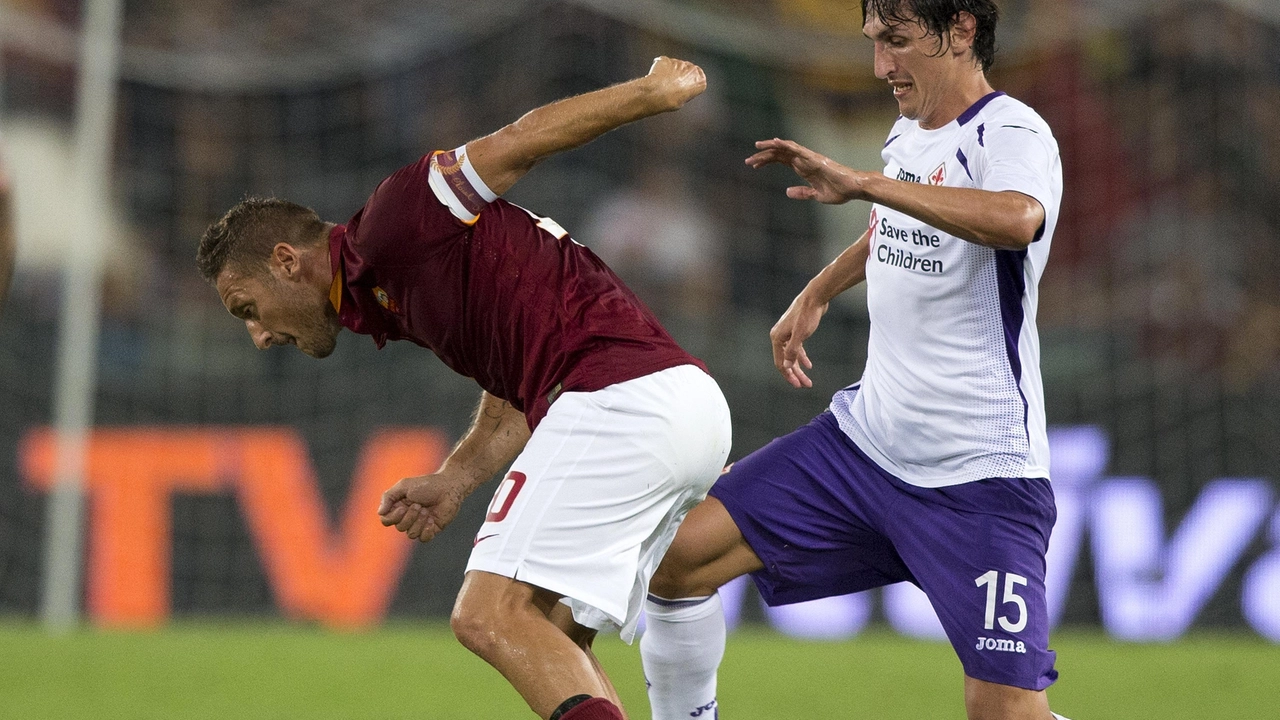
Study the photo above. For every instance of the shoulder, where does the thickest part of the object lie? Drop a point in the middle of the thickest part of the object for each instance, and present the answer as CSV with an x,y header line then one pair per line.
x,y
1009,113
900,126
403,190
1011,147
403,221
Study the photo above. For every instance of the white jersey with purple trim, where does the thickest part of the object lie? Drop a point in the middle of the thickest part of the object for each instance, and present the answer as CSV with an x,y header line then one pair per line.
x,y
951,392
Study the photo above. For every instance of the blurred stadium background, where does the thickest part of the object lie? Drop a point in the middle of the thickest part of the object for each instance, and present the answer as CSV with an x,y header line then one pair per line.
x,y
1159,316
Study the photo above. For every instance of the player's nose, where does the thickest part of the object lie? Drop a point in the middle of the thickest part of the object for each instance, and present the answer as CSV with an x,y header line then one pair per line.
x,y
261,336
883,63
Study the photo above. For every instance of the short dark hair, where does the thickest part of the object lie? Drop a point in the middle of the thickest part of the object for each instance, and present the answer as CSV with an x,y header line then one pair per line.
x,y
939,16
245,236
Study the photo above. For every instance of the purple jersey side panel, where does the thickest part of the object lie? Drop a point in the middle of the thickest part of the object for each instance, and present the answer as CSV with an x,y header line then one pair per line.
x,y
827,521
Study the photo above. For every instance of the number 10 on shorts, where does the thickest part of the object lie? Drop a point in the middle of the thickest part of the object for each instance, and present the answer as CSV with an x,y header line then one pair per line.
x,y
505,497
1011,581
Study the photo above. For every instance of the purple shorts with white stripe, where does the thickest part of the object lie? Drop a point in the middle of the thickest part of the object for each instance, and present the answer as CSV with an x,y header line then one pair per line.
x,y
825,520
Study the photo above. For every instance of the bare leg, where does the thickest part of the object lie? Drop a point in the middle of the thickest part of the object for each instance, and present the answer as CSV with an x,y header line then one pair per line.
x,y
991,701
708,551
562,617
506,622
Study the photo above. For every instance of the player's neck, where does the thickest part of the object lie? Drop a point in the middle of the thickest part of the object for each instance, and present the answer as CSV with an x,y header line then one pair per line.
x,y
319,266
965,90
316,269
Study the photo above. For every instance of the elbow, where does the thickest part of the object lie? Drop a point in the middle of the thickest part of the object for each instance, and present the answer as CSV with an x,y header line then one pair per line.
x,y
1018,241
1026,224
502,158
1015,239
518,145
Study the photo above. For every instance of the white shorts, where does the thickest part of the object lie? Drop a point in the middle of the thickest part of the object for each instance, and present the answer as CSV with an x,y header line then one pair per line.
x,y
593,502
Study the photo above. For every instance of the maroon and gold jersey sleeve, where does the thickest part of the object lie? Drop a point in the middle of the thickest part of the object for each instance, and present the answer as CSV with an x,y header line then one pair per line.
x,y
420,209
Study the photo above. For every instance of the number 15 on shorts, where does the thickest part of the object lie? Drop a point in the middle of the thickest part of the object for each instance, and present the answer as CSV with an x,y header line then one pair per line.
x,y
1011,582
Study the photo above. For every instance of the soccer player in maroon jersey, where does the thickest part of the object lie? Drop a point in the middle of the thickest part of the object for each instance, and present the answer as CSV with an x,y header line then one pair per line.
x,y
614,430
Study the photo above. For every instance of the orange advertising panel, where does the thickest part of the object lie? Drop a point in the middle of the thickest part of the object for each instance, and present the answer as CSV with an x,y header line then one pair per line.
x,y
342,576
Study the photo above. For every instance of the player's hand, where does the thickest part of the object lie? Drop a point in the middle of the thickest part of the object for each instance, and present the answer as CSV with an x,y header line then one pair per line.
x,y
788,336
829,181
675,82
421,507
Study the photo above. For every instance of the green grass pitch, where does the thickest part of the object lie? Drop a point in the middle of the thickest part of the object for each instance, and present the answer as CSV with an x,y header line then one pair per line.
x,y
246,670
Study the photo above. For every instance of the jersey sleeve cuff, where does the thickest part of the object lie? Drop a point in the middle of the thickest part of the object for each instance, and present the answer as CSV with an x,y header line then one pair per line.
x,y
1028,186
456,184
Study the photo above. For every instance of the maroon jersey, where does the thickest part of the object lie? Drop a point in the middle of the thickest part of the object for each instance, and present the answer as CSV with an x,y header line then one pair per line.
x,y
499,294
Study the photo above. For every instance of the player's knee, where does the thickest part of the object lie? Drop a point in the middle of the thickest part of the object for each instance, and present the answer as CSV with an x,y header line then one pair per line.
x,y
708,551
468,627
675,578
684,570
675,572
477,623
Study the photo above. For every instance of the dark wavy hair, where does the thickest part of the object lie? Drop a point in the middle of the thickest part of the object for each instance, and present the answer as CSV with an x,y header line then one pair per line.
x,y
939,16
244,238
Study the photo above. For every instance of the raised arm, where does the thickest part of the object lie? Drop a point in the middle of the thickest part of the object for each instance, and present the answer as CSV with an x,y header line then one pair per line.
x,y
8,241
1003,220
422,506
802,317
505,156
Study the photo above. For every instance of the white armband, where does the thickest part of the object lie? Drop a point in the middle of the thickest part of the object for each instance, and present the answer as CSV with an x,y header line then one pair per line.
x,y
456,184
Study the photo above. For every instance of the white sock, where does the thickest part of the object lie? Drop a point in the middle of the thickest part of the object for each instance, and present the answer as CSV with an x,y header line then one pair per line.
x,y
681,649
1057,716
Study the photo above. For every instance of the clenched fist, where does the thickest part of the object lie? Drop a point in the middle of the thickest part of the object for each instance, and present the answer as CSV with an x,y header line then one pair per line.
x,y
675,82
421,507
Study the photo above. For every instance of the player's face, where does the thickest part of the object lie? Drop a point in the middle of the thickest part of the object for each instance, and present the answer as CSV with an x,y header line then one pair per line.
x,y
914,64
281,312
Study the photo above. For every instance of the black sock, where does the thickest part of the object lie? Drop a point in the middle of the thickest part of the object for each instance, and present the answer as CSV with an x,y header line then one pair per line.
x,y
568,705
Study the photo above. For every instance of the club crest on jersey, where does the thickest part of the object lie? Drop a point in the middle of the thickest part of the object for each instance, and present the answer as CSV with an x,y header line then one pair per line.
x,y
939,176
385,300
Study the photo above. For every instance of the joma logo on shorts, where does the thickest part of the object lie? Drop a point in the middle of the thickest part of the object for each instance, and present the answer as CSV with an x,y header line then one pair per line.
x,y
1001,645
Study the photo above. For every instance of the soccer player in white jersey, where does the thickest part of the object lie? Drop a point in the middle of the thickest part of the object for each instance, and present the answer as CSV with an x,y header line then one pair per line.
x,y
934,468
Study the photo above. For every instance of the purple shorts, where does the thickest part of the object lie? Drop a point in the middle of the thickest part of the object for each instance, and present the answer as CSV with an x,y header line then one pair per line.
x,y
825,520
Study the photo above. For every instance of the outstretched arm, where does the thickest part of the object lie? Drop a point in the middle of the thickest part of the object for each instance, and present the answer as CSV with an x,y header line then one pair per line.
x,y
806,311
505,156
422,506
1004,220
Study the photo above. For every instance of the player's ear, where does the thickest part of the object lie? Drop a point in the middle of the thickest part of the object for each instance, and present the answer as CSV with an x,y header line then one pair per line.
x,y
286,260
963,31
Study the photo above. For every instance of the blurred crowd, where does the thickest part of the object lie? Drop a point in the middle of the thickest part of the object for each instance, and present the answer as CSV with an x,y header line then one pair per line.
x,y
1161,271
278,27
1171,235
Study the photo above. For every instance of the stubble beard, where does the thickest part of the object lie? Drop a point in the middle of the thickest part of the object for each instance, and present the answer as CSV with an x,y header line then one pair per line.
x,y
317,326
322,338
